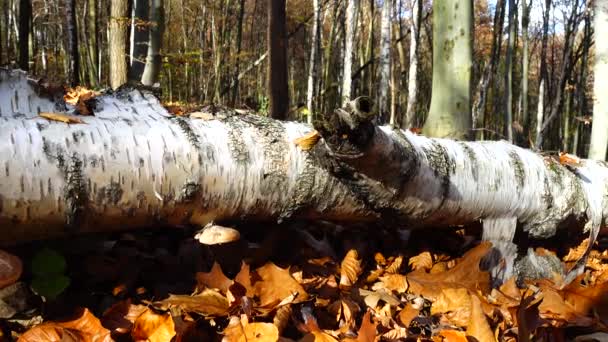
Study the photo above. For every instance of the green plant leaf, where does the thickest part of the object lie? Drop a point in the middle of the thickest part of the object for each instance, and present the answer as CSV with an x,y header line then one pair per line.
x,y
50,286
48,262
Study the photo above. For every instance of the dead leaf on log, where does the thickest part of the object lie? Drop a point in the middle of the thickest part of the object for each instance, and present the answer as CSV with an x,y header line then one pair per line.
x,y
78,97
68,119
10,268
308,141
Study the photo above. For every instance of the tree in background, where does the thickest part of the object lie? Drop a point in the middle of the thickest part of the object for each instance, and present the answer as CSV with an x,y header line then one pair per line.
x,y
350,25
384,63
313,66
139,38
25,18
599,133
278,92
72,30
450,112
412,83
117,43
155,32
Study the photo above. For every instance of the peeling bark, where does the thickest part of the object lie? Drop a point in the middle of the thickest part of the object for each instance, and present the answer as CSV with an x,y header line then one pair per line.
x,y
133,164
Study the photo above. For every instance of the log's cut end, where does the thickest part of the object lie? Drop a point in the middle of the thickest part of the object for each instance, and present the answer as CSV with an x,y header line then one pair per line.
x,y
10,269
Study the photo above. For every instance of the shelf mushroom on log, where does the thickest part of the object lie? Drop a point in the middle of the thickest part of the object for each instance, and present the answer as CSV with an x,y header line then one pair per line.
x,y
132,164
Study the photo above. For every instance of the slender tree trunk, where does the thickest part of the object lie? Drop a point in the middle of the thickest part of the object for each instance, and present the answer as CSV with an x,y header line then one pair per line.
x,y
508,102
91,43
72,31
239,42
450,112
153,60
412,83
581,94
138,45
25,18
313,65
350,24
525,21
599,132
278,91
540,112
384,63
117,43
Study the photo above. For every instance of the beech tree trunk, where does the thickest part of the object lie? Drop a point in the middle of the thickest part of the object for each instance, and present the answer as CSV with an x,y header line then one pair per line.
x,y
599,133
153,59
350,23
278,93
133,164
72,31
117,43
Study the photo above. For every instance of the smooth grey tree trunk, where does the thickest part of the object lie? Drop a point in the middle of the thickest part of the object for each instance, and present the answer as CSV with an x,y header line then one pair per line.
x,y
117,43
412,83
450,112
350,23
525,67
313,66
153,59
139,38
599,132
384,61
508,101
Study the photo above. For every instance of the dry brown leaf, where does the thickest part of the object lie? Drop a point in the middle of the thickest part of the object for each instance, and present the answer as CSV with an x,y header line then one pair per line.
x,y
554,309
275,284
422,261
10,269
569,159
153,327
85,328
78,97
350,269
307,141
367,331
244,278
395,265
243,331
466,274
318,336
282,317
406,315
68,119
453,336
121,316
396,334
214,279
455,305
478,326
395,282
574,254
207,303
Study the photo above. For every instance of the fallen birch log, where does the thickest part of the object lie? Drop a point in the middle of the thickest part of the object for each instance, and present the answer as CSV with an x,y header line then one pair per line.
x,y
133,164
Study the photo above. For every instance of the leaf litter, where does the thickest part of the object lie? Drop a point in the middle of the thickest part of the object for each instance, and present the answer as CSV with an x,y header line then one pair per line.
x,y
169,287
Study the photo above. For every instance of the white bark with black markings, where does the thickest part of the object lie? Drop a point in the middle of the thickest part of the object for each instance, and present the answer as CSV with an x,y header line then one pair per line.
x,y
133,164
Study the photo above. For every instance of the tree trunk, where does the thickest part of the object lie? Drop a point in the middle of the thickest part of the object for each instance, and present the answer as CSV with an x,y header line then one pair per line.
x,y
72,31
25,18
91,43
278,91
412,83
133,164
138,45
384,61
450,112
239,43
599,130
543,78
525,65
350,23
153,60
313,65
508,106
117,43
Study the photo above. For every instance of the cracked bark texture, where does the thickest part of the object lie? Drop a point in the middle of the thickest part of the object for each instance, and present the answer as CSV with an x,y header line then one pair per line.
x,y
134,165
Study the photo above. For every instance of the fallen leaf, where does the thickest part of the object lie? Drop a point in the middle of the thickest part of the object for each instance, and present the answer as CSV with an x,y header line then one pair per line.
x,y
569,159
406,315
121,316
478,326
244,278
207,303
85,328
153,327
394,282
243,331
274,284
307,141
453,336
214,279
422,261
367,331
395,265
61,118
78,97
350,269
455,305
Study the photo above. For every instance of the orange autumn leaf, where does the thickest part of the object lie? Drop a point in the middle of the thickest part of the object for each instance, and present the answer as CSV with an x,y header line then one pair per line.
x,y
307,141
120,317
350,269
454,305
569,159
78,96
478,326
214,279
85,328
452,336
153,327
68,119
207,303
422,261
276,284
240,330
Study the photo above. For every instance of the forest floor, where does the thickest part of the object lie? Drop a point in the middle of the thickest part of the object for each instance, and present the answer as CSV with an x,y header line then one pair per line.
x,y
298,281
